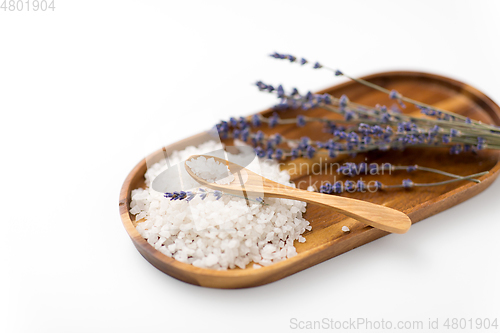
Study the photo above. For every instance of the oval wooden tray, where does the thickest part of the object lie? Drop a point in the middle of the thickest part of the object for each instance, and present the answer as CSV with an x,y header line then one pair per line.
x,y
326,239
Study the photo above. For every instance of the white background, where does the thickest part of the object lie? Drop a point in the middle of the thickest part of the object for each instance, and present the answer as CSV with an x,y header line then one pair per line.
x,y
88,90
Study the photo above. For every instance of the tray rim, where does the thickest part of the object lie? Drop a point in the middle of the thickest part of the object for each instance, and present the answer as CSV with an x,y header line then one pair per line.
x,y
243,278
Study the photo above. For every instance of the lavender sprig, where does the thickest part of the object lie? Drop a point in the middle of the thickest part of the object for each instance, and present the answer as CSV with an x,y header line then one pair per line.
x,y
203,194
393,94
353,169
362,186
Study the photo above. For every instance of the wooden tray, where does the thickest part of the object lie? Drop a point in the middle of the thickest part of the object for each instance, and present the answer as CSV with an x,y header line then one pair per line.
x,y
326,239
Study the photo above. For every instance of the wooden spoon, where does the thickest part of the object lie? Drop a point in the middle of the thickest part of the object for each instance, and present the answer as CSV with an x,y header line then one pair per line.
x,y
252,184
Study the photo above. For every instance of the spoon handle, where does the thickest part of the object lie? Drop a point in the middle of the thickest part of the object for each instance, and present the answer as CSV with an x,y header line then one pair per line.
x,y
377,216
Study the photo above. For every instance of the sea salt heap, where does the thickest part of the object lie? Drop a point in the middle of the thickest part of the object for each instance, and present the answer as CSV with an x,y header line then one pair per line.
x,y
211,170
224,233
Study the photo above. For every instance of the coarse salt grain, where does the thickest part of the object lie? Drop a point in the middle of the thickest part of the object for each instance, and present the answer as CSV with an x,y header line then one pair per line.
x,y
345,229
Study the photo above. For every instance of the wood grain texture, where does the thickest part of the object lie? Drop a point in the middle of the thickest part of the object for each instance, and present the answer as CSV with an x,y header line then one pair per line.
x,y
326,239
251,184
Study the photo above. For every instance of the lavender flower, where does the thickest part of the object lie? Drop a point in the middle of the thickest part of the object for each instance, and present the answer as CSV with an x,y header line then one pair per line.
x,y
301,121
273,120
256,120
280,91
408,183
394,94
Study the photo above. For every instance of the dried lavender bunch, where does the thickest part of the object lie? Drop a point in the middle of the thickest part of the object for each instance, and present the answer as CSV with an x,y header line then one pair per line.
x,y
362,129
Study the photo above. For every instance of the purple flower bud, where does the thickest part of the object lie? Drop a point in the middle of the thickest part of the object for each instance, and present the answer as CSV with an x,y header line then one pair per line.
x,y
349,115
278,154
217,195
233,122
327,99
294,92
260,152
468,121
278,138
337,188
353,137
310,151
376,129
273,120
343,101
317,65
270,88
269,144
295,153
280,91
385,118
411,168
242,123
360,186
256,120
327,188
261,85
454,133
394,94
332,153
338,73
303,61
456,149
259,136
408,183
269,153
304,142
301,121
446,138
349,186
190,196
244,134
